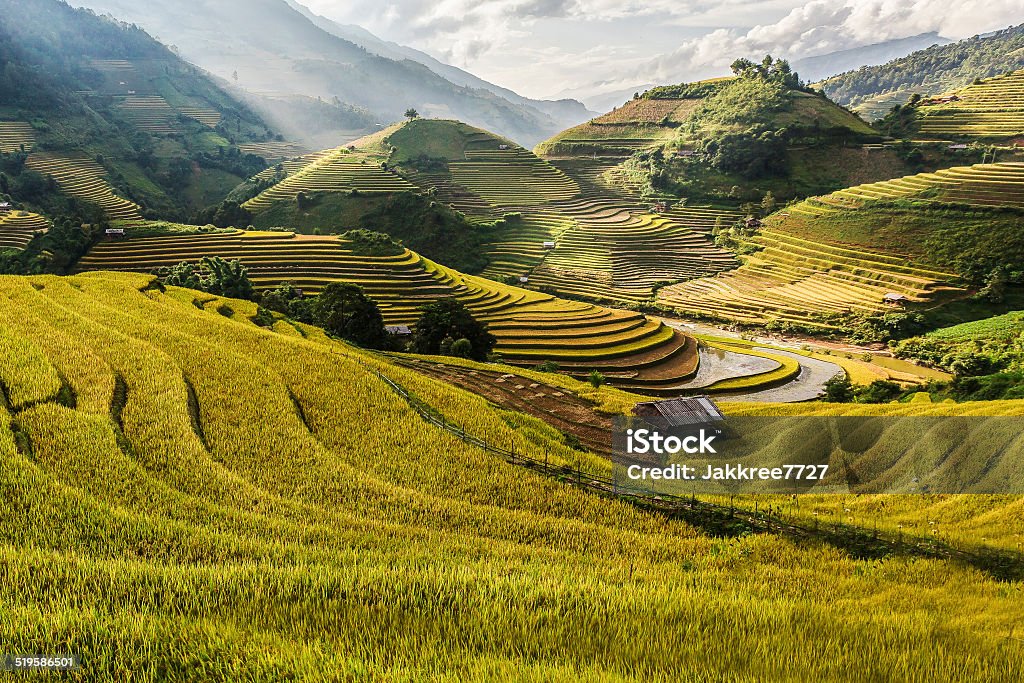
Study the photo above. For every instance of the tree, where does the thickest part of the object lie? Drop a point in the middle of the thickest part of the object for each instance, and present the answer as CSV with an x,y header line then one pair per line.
x,y
214,275
839,390
344,310
596,379
444,324
994,290
281,298
768,203
411,114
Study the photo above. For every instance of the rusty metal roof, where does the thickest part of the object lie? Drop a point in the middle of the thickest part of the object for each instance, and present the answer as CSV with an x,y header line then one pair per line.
x,y
681,411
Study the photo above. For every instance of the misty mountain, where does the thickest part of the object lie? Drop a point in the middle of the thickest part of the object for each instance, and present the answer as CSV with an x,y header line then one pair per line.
x,y
567,112
118,107
812,69
280,56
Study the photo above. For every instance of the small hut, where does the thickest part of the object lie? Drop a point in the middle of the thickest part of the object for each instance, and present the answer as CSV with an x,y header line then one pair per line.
x,y
681,412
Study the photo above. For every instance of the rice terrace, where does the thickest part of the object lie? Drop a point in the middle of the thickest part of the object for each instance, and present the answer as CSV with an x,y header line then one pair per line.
x,y
322,358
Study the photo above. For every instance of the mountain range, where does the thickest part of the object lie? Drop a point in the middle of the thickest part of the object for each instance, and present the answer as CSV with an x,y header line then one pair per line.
x,y
319,81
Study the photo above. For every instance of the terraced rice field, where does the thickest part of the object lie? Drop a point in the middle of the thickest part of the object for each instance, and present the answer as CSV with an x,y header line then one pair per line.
x,y
202,495
531,327
797,281
17,228
615,251
150,113
83,179
15,136
993,108
337,170
273,151
204,115
987,185
511,177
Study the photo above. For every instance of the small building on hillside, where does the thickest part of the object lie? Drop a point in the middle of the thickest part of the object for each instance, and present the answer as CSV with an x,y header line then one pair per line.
x,y
398,330
549,245
524,279
659,207
686,153
959,146
114,233
895,299
752,223
5,207
503,147
681,412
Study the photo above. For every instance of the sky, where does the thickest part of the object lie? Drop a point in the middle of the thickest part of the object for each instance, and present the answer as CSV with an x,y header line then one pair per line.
x,y
543,48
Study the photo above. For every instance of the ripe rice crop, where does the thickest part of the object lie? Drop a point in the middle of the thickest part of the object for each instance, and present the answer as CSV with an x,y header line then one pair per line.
x,y
256,506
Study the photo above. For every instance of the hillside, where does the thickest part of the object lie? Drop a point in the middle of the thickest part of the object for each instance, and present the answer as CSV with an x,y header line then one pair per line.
x,y
118,122
515,215
830,260
726,140
874,90
690,113
990,109
830,64
266,502
277,53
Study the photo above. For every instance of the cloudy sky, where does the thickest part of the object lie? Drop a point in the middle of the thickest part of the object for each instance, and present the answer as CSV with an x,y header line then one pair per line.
x,y
544,47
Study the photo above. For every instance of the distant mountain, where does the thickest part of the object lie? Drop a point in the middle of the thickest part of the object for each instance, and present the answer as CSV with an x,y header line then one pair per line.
x,y
874,90
279,51
97,117
813,69
604,96
565,111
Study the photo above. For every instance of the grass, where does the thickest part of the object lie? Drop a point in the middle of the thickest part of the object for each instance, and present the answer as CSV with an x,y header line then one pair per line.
x,y
353,539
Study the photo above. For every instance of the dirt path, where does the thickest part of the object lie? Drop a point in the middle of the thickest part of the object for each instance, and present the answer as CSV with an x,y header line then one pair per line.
x,y
807,386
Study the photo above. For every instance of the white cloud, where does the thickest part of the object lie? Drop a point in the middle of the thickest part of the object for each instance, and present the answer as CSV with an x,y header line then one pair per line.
x,y
507,41
822,26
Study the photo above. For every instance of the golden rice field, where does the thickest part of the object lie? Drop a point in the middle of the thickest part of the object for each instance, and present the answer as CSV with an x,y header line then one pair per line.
x,y
187,496
980,185
531,327
993,108
798,281
83,178
17,228
337,170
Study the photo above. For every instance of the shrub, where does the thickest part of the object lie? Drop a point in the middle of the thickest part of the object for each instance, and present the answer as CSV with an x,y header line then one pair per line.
x,y
370,243
596,379
839,390
214,275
